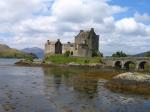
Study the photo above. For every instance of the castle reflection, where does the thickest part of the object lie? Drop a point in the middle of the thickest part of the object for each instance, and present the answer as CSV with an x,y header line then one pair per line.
x,y
73,79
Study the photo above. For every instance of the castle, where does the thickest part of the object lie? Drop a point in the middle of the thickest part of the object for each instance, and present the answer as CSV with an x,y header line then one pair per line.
x,y
86,43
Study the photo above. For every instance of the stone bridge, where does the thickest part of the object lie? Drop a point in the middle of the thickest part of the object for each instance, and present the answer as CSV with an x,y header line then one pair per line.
x,y
124,62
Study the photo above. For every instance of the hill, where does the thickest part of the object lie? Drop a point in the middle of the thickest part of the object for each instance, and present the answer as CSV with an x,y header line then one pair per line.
x,y
7,52
142,54
35,50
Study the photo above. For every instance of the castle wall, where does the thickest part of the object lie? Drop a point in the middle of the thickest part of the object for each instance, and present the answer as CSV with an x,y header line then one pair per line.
x,y
49,49
83,51
68,47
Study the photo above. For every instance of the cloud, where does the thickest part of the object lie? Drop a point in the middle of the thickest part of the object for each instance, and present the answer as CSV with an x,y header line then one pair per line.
x,y
130,26
142,17
28,24
83,10
14,10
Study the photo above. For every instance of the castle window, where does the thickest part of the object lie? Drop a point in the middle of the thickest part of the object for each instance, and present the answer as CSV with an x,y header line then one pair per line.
x,y
84,42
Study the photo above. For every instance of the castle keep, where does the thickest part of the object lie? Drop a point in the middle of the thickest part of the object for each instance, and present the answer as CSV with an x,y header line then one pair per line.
x,y
86,43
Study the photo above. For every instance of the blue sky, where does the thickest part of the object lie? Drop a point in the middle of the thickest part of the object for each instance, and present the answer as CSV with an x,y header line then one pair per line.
x,y
135,5
141,6
122,24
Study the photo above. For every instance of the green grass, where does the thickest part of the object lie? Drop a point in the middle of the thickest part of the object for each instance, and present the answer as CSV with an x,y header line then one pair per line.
x,y
60,59
147,66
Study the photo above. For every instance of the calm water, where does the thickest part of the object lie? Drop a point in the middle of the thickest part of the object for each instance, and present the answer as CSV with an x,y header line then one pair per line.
x,y
36,89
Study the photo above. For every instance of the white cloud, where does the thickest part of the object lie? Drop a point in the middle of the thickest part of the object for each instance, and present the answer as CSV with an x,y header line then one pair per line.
x,y
28,24
130,26
83,10
14,10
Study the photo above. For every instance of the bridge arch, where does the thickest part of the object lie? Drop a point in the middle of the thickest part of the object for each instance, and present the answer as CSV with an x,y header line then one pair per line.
x,y
118,64
142,64
127,64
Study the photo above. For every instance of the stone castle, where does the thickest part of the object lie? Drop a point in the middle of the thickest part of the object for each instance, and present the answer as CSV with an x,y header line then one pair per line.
x,y
86,43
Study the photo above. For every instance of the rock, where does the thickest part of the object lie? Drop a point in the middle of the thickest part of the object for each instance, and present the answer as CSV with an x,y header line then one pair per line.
x,y
130,82
23,62
73,64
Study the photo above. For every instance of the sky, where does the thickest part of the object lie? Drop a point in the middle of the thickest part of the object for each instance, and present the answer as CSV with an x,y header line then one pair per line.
x,y
123,25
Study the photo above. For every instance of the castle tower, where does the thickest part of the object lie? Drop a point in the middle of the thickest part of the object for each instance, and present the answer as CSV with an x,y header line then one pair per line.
x,y
53,47
89,39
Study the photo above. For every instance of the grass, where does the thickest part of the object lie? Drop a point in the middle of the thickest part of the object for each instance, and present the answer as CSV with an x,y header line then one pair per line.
x,y
61,59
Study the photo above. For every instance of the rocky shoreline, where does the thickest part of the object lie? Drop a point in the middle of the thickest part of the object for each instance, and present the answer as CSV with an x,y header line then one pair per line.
x,y
138,83
42,64
128,82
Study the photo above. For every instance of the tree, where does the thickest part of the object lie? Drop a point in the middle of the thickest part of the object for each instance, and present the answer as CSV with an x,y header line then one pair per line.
x,y
96,54
101,54
119,54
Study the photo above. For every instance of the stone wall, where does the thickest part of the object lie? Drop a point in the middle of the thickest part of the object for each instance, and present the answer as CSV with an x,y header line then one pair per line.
x,y
68,47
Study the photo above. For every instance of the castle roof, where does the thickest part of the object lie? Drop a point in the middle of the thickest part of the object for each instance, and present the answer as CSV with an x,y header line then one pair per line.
x,y
87,33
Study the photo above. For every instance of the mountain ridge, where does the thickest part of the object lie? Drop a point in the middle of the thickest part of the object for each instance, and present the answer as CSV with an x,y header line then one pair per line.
x,y
35,50
7,52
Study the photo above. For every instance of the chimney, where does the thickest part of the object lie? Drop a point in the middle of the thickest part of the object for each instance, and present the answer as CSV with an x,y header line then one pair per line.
x,y
92,29
81,31
48,42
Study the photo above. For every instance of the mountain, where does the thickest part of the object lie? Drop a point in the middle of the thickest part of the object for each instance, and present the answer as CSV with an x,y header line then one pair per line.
x,y
142,54
7,52
35,50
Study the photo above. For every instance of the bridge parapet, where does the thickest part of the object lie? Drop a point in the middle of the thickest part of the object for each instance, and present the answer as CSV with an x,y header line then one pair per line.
x,y
127,58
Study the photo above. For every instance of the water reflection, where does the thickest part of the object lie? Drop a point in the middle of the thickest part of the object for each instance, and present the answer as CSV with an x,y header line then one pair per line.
x,y
78,90
71,79
70,90
36,89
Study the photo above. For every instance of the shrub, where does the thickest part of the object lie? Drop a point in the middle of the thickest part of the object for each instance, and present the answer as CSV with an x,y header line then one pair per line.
x,y
67,54
29,58
86,61
94,53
